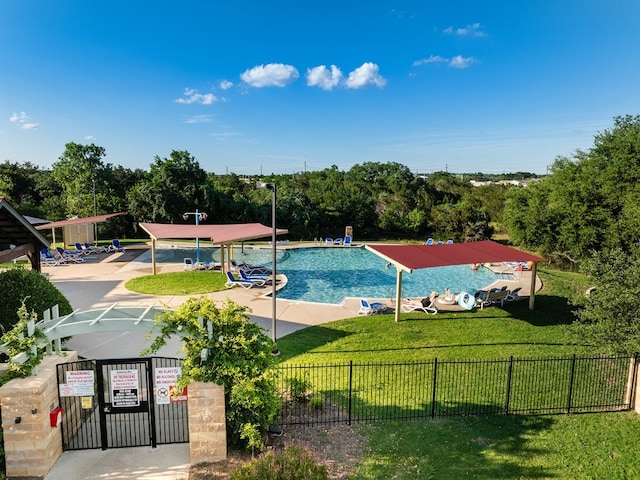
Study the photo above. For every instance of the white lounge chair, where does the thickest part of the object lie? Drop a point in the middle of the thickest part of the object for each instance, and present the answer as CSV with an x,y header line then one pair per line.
x,y
426,305
369,308
232,282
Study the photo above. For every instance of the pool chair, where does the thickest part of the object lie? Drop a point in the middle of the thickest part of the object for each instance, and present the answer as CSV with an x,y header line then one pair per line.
x,y
188,264
347,241
369,308
328,241
251,269
232,282
449,242
47,258
69,256
513,296
426,305
115,246
337,241
429,241
258,279
96,249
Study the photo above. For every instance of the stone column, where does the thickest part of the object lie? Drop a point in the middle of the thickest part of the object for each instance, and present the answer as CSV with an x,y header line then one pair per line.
x,y
207,423
31,445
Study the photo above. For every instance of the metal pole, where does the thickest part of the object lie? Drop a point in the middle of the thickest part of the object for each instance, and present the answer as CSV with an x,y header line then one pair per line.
x,y
95,213
197,239
274,270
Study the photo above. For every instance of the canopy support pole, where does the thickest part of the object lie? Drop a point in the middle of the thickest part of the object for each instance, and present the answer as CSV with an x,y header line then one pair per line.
x,y
398,293
532,295
153,255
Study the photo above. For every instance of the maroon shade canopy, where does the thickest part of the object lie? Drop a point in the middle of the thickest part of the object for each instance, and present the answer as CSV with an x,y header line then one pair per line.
x,y
413,257
76,220
218,234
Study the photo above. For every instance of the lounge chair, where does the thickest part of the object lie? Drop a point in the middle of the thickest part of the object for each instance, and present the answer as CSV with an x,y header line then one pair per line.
x,y
369,308
258,279
337,241
429,241
188,263
96,249
115,246
513,296
449,242
70,256
328,241
46,258
426,305
490,297
232,282
251,269
347,241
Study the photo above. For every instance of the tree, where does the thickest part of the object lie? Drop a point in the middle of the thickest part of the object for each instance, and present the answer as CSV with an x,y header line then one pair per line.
x,y
175,185
76,170
609,317
238,357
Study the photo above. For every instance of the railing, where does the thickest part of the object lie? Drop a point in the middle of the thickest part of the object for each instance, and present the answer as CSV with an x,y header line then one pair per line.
x,y
347,393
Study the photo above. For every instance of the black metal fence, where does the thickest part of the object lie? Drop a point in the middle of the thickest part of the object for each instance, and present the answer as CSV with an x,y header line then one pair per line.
x,y
353,392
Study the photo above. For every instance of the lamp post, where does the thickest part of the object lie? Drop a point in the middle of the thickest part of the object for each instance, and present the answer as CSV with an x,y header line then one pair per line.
x,y
272,187
95,213
199,216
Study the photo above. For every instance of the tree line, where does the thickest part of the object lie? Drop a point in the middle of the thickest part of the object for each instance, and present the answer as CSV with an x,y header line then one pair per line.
x,y
379,200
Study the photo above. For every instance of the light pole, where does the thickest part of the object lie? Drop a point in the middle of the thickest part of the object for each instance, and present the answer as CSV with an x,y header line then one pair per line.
x,y
95,213
272,187
199,216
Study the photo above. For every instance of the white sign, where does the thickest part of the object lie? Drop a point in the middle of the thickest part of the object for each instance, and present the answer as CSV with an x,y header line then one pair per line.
x,y
124,388
165,379
79,384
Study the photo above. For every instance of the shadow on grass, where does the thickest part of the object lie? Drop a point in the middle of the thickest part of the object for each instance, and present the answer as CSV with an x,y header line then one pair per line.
x,y
307,339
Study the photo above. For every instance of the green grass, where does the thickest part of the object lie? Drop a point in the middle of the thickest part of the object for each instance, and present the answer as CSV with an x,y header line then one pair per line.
x,y
582,446
178,283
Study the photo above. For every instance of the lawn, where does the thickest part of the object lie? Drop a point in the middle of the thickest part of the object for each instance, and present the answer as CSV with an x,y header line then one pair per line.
x,y
582,446
196,282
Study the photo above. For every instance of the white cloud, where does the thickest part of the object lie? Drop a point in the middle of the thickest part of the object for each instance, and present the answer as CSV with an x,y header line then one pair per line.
x,y
456,62
364,76
226,84
270,75
461,62
324,78
22,120
197,119
472,30
192,96
431,59
89,138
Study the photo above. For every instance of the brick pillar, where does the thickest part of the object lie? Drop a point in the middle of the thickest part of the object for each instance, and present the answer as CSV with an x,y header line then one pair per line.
x,y
207,423
31,445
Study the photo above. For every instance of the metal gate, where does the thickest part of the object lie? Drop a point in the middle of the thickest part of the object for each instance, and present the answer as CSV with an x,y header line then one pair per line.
x,y
121,403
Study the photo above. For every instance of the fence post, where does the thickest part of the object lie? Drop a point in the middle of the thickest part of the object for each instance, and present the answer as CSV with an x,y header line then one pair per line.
x,y
506,407
631,394
350,390
433,393
573,372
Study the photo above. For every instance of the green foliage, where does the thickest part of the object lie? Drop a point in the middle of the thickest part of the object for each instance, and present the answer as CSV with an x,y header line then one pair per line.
x,y
295,463
298,387
589,202
19,285
316,401
238,358
609,316
18,341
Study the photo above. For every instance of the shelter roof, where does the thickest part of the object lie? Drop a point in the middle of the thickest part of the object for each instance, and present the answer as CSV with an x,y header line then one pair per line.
x,y
17,235
79,220
413,257
219,234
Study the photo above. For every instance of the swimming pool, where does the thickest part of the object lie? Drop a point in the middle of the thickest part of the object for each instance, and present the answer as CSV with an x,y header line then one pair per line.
x,y
329,274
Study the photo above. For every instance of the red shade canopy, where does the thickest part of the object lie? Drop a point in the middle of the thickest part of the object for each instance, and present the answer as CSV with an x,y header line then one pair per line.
x,y
76,220
413,257
218,234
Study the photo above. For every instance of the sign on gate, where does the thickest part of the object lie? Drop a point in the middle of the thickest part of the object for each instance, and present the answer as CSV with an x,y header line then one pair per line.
x,y
124,388
165,381
79,383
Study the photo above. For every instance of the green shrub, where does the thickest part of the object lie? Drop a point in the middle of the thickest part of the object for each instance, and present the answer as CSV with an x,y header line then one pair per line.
x,y
298,387
19,285
295,463
316,401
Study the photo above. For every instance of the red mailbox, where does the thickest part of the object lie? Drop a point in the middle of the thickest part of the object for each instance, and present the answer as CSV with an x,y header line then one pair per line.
x,y
55,417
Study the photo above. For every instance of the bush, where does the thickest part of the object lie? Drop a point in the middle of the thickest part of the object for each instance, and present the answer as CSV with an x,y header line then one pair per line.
x,y
19,285
295,463
298,387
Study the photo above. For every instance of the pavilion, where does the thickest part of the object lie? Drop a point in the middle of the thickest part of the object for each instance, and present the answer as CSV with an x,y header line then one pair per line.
x,y
77,229
407,258
18,237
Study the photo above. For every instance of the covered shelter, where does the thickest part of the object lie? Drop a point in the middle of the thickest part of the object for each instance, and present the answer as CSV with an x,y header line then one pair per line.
x,y
223,234
407,258
18,237
78,229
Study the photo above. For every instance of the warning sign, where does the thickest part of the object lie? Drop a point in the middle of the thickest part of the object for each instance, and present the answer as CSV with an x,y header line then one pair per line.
x,y
165,380
79,383
124,388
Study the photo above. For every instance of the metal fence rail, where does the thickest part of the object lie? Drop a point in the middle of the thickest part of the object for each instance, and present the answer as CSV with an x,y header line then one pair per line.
x,y
363,392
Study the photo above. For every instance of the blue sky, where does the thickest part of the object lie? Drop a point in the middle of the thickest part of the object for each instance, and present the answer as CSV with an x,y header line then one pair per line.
x,y
282,86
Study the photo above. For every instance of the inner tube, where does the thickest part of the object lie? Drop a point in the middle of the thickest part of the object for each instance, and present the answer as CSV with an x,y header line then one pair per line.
x,y
466,300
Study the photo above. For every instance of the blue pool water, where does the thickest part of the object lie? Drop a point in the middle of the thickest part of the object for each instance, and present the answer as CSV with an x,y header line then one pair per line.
x,y
329,274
